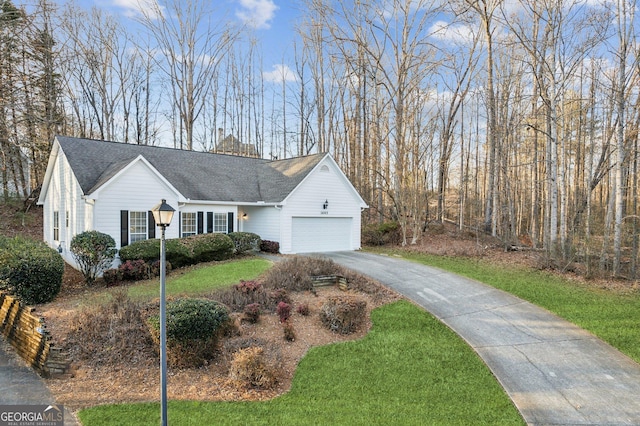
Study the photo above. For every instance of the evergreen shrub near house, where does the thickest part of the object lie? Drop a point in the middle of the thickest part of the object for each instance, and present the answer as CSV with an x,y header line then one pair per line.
x,y
135,270
245,241
268,246
181,251
94,252
147,250
30,270
178,253
194,327
209,247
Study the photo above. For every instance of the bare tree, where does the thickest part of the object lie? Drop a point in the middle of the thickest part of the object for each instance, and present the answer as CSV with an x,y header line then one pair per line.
x,y
190,40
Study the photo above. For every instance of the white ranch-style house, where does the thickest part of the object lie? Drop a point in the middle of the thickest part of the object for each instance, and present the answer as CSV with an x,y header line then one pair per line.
x,y
307,204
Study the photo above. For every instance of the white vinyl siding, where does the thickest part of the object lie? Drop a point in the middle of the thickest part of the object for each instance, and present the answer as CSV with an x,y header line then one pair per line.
x,y
138,230
304,208
189,224
118,195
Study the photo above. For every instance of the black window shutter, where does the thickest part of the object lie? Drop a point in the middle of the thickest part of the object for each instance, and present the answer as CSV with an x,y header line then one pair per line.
x,y
151,226
124,228
180,224
200,224
209,222
229,222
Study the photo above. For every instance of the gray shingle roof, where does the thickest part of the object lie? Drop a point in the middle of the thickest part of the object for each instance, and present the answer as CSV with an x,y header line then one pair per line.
x,y
196,175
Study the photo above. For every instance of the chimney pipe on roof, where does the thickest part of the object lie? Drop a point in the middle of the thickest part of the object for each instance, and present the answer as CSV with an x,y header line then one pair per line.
x,y
220,134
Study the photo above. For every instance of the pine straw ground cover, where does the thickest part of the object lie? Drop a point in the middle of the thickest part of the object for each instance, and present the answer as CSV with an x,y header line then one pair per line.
x,y
115,359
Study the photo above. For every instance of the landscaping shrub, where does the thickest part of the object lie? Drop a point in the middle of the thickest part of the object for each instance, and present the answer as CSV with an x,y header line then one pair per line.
x,y
245,241
250,366
147,250
284,311
270,246
289,331
112,276
178,253
343,314
248,287
193,330
109,333
181,252
243,294
155,267
279,295
294,273
135,270
290,274
209,247
381,234
94,252
30,270
303,309
252,313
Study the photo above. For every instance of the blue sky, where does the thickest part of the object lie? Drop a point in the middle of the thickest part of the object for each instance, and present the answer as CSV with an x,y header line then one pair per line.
x,y
271,21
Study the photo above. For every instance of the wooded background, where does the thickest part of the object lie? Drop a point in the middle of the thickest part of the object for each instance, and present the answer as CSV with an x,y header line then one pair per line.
x,y
518,118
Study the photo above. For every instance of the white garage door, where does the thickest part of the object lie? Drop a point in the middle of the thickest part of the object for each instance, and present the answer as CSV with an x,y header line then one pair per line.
x,y
319,234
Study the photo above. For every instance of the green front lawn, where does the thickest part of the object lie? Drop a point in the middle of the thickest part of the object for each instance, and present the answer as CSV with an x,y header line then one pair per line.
x,y
409,370
202,280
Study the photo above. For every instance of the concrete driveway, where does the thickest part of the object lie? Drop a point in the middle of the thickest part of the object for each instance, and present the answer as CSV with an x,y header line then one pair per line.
x,y
555,372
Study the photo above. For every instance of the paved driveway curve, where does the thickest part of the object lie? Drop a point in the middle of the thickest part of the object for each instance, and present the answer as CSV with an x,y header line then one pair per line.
x,y
555,372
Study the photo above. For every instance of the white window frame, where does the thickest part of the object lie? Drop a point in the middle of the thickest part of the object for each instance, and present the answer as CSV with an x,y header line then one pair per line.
x,y
189,225
138,226
56,225
220,223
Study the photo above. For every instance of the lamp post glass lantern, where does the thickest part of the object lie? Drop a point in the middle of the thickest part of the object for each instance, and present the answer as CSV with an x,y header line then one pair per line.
x,y
162,214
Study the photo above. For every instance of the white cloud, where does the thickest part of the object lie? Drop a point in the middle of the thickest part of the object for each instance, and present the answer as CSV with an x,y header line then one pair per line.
x,y
280,72
257,13
458,33
133,8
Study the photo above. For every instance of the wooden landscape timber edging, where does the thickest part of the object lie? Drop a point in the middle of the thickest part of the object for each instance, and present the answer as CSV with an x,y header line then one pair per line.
x,y
328,280
28,334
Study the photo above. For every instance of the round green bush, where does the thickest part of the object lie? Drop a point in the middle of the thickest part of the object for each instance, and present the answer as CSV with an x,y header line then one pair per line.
x,y
245,241
178,253
209,247
181,251
147,250
94,252
194,319
30,270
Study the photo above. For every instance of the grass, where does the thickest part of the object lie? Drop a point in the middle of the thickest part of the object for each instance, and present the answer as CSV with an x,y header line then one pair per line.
x,y
205,279
410,370
612,316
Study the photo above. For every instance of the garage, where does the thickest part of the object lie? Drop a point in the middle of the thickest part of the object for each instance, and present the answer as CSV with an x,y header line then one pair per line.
x,y
321,234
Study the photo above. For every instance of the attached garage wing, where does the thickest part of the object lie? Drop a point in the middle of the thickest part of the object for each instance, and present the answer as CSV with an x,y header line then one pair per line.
x,y
321,234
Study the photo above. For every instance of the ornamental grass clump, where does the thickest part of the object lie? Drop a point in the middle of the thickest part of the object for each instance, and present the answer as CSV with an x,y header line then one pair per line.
x,y
250,366
237,297
111,332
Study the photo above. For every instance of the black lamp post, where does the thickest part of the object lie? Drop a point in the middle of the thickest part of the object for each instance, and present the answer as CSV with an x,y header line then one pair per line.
x,y
162,214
